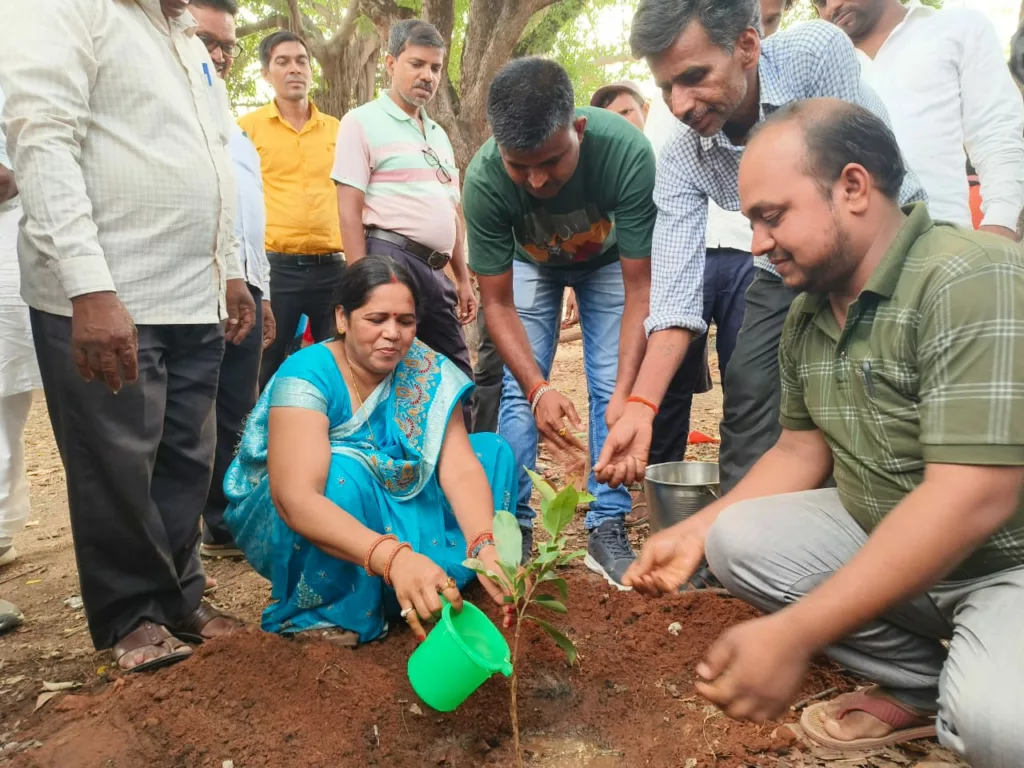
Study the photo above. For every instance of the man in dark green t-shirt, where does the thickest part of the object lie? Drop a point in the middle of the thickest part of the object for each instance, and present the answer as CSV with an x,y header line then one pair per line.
x,y
561,198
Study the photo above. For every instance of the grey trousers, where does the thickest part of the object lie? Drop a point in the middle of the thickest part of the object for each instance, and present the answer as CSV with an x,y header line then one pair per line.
x,y
138,467
772,551
750,407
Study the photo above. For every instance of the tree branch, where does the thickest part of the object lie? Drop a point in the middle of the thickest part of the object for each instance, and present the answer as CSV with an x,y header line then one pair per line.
x,y
295,24
271,22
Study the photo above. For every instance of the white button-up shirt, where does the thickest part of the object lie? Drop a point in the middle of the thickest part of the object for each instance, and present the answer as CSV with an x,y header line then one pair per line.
x,y
946,86
251,213
118,127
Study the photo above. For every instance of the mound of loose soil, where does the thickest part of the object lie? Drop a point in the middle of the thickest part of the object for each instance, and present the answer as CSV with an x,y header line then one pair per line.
x,y
261,700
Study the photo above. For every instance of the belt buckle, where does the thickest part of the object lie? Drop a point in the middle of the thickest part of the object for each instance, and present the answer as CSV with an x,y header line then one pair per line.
x,y
437,260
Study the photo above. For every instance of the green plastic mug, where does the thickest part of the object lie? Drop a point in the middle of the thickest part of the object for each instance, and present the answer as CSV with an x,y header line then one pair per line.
x,y
458,656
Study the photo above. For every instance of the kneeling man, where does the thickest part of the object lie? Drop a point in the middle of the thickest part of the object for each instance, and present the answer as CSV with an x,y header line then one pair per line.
x,y
901,373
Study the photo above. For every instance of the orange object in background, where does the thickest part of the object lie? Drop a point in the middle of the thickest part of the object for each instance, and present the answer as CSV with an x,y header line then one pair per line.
x,y
696,438
975,192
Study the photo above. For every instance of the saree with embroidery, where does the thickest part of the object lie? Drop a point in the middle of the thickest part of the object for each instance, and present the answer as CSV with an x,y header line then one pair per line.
x,y
384,459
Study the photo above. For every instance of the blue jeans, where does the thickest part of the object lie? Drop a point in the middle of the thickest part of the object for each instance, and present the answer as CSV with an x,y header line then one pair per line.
x,y
538,298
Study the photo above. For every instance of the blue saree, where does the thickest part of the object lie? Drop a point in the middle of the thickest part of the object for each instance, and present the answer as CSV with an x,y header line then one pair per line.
x,y
388,482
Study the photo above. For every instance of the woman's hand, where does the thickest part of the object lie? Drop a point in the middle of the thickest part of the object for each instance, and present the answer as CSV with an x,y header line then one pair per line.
x,y
489,557
419,583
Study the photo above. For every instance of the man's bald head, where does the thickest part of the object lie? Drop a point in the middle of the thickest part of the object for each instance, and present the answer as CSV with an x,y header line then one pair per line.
x,y
836,134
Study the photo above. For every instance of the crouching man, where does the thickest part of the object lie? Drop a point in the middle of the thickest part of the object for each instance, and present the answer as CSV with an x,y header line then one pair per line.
x,y
901,373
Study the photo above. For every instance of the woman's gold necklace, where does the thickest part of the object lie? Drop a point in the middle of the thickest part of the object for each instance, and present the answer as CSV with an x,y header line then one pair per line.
x,y
362,405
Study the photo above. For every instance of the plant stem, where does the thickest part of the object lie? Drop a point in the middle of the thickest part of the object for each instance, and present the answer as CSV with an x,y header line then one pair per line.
x,y
513,707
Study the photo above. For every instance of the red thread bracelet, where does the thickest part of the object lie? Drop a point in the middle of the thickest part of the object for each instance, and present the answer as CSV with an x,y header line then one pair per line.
x,y
642,401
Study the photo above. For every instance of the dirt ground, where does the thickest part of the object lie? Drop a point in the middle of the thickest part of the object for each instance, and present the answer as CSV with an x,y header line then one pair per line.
x,y
259,700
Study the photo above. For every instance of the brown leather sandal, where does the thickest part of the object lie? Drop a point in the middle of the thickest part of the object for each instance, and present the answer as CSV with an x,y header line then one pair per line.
x,y
149,634
194,628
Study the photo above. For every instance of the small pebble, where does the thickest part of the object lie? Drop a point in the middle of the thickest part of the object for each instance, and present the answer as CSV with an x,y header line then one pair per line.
x,y
152,722
675,628
228,764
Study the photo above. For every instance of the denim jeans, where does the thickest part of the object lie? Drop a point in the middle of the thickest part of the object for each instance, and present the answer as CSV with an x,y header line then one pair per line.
x,y
538,297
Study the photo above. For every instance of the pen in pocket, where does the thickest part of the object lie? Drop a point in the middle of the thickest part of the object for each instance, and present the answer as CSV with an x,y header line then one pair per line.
x,y
206,71
869,382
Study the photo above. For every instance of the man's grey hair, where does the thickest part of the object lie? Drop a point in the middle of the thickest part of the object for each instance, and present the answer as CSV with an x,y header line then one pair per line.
x,y
528,101
657,23
413,32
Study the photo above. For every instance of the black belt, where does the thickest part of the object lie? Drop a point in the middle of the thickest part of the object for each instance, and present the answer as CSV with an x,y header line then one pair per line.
x,y
433,259
305,259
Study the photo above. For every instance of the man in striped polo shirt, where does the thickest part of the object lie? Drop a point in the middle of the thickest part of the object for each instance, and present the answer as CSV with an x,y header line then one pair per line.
x,y
398,189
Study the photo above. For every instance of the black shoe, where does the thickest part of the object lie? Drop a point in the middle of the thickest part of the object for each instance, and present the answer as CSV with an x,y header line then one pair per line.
x,y
704,579
527,544
609,552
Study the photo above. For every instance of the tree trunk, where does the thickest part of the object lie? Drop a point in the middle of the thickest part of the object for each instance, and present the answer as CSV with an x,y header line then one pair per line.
x,y
349,74
492,32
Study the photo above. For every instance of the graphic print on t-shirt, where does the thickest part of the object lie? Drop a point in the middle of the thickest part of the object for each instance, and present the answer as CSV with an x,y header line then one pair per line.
x,y
559,239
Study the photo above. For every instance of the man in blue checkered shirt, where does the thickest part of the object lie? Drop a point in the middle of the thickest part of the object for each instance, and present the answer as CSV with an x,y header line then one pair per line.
x,y
720,79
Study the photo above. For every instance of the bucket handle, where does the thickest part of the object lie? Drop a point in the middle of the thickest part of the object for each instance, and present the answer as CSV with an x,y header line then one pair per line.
x,y
713,493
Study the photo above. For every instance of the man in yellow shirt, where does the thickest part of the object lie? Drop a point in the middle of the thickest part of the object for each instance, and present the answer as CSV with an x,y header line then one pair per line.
x,y
296,146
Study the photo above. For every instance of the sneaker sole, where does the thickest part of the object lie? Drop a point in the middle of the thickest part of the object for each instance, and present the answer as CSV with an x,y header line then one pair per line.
x,y
596,567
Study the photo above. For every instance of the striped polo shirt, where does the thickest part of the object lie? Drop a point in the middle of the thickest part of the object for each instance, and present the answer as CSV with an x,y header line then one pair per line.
x,y
409,178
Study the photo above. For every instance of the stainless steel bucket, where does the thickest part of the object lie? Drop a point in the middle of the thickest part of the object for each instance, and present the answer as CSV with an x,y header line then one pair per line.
x,y
679,489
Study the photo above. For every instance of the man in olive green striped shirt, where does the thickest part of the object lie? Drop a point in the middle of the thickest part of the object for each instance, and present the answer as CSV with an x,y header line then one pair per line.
x,y
902,371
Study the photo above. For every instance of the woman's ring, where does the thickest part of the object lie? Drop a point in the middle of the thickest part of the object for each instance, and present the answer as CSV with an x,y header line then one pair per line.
x,y
406,612
450,584
562,432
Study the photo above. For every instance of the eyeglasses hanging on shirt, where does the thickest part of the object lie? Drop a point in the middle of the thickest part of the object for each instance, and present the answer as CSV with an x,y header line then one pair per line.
x,y
435,162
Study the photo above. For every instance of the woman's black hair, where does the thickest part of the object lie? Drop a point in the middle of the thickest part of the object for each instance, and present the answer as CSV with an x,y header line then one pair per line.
x,y
368,274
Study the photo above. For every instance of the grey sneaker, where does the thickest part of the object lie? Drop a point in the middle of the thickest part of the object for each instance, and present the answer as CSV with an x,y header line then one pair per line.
x,y
609,552
527,544
10,616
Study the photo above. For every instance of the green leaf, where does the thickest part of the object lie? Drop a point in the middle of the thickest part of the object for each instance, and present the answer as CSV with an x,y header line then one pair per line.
x,y
558,582
560,639
477,565
508,599
510,571
543,486
559,512
549,602
547,557
508,537
572,556
585,498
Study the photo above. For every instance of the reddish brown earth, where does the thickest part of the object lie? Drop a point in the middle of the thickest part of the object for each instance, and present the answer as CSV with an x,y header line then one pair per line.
x,y
260,700
264,702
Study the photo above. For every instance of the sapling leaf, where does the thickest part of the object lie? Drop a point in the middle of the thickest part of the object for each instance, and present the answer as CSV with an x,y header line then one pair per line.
x,y
508,537
560,639
508,599
543,487
558,582
510,571
547,557
585,498
572,556
549,602
477,565
559,512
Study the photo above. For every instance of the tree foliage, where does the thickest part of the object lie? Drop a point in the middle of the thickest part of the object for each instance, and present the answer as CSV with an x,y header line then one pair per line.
x,y
345,38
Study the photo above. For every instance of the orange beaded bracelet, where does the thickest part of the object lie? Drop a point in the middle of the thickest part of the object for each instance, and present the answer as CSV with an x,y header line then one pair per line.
x,y
642,401
369,553
391,559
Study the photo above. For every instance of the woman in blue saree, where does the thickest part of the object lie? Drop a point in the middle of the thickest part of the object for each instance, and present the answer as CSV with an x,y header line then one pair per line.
x,y
355,440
